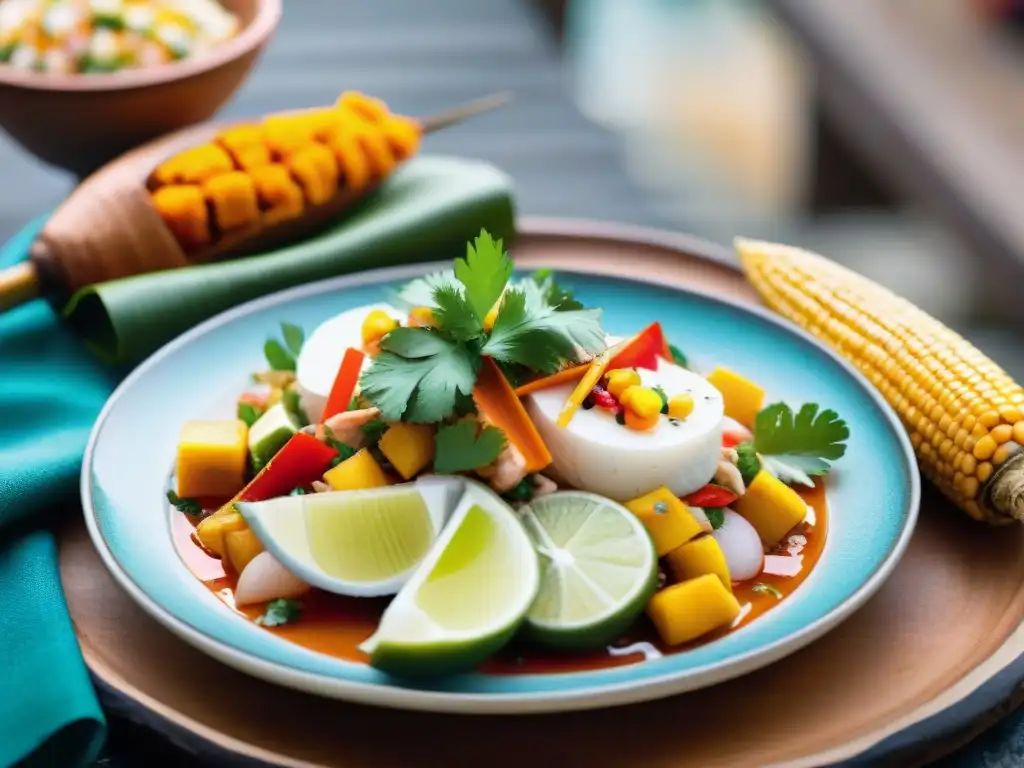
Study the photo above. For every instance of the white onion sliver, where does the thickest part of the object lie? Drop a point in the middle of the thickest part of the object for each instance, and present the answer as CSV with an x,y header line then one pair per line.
x,y
264,578
741,546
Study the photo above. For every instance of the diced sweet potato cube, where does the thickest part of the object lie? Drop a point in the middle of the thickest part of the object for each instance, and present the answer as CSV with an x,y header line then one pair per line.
x,y
356,473
241,547
666,518
211,458
772,507
212,530
409,447
743,398
686,611
697,558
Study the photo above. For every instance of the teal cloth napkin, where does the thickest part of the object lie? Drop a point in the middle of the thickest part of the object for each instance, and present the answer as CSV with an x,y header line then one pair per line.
x,y
52,388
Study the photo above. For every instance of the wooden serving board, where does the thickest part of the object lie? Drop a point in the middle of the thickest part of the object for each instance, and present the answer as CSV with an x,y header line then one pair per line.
x,y
933,659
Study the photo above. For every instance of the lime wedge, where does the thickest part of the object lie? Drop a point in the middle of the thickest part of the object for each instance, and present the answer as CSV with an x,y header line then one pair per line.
x,y
598,569
362,543
466,599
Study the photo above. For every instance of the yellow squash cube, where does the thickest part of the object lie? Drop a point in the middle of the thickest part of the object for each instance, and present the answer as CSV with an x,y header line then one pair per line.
x,y
772,507
666,518
409,447
212,530
356,473
686,611
241,547
697,558
743,398
211,458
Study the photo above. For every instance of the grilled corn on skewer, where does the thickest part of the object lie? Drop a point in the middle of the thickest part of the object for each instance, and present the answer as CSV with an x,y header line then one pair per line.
x,y
964,414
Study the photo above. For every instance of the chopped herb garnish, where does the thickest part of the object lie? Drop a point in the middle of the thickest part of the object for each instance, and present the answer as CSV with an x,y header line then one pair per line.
x,y
767,589
427,375
466,445
248,413
793,447
747,462
664,398
280,611
282,357
374,430
523,491
558,297
298,491
188,506
620,417
678,357
716,516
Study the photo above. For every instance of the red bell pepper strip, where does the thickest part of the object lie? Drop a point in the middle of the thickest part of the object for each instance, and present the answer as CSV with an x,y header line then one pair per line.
x,y
711,496
344,385
731,439
643,350
302,460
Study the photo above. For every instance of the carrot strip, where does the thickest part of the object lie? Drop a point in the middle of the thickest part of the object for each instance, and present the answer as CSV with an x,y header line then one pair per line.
x,y
564,376
344,385
595,370
499,404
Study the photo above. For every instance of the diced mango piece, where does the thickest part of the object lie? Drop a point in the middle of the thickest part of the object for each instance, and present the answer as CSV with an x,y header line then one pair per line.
x,y
743,398
697,558
684,612
211,458
211,530
409,447
241,547
772,507
356,472
666,517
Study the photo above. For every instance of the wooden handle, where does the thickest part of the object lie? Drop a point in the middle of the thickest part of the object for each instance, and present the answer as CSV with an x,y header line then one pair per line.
x,y
464,111
18,284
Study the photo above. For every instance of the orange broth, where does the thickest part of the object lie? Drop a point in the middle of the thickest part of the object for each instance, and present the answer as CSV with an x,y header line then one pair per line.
x,y
336,625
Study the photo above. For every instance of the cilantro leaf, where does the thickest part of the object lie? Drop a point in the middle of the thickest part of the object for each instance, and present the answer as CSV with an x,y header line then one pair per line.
x,y
344,450
248,412
279,358
465,446
418,376
808,441
454,314
555,295
747,462
188,506
531,332
678,357
293,337
420,292
280,611
374,430
715,516
484,273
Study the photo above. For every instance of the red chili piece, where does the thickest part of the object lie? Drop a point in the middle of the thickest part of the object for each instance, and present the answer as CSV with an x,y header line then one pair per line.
x,y
711,496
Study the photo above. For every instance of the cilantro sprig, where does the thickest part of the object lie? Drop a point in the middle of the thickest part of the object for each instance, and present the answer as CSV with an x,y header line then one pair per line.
x,y
465,446
279,612
187,505
427,375
794,446
282,357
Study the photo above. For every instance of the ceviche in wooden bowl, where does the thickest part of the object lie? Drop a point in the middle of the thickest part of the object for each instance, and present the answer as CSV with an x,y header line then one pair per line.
x,y
474,474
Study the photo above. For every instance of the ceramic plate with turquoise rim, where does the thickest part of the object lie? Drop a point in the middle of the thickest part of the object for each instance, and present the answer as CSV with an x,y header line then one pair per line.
x,y
872,496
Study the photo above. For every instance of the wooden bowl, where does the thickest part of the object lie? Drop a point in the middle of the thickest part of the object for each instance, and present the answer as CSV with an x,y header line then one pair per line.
x,y
80,122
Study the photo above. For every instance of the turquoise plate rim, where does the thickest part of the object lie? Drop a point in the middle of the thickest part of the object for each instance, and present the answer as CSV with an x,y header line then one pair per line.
x,y
558,692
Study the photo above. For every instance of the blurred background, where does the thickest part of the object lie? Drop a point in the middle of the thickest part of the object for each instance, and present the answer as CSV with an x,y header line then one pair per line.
x,y
890,136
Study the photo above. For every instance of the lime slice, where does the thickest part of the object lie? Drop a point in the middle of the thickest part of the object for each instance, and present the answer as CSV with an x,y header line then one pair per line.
x,y
467,598
361,543
598,569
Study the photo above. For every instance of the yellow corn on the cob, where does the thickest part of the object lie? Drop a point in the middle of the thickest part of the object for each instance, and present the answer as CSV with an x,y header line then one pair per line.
x,y
964,414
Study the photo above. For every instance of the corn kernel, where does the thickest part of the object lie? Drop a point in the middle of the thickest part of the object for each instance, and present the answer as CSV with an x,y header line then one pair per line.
x,y
1002,434
968,463
642,401
984,448
377,324
620,380
970,487
984,472
1003,452
680,406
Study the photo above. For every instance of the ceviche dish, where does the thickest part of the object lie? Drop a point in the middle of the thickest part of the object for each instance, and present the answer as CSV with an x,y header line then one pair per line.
x,y
473,474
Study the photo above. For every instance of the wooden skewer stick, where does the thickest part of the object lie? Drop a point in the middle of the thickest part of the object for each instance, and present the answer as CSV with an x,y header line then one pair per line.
x,y
50,271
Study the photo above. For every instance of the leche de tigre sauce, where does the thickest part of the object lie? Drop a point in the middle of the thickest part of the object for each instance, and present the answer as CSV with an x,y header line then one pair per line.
x,y
336,625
